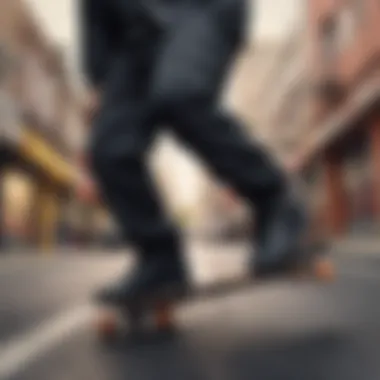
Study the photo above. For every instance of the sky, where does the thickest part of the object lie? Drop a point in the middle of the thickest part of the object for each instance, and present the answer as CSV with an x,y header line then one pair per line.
x,y
273,17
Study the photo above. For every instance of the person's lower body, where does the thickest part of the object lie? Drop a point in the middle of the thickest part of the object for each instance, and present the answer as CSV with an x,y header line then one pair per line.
x,y
280,217
178,86
119,146
188,80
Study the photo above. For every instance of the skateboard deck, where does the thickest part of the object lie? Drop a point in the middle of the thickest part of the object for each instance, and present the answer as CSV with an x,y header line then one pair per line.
x,y
158,314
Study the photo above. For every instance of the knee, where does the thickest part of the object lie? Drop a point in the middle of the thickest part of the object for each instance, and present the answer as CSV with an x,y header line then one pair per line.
x,y
99,158
172,106
108,154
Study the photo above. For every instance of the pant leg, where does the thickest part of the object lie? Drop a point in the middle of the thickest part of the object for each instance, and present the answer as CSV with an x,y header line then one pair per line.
x,y
229,152
119,145
190,73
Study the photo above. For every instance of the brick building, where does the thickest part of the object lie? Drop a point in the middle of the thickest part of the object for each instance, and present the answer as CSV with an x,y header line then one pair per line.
x,y
341,152
283,101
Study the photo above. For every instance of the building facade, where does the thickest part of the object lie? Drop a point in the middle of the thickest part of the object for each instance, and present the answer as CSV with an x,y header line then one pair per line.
x,y
283,100
37,171
342,146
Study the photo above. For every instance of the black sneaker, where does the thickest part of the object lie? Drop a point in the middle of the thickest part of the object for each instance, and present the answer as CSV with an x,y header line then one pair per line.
x,y
153,277
282,224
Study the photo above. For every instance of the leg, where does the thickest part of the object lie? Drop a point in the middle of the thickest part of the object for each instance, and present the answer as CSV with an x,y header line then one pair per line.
x,y
119,152
190,72
234,158
120,140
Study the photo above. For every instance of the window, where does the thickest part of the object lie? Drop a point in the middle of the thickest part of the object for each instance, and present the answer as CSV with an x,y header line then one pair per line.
x,y
4,62
347,27
40,90
338,31
329,39
358,8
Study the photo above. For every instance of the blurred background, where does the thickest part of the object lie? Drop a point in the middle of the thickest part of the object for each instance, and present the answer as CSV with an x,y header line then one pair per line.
x,y
307,85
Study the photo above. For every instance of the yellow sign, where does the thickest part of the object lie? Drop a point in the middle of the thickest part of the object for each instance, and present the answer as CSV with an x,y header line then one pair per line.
x,y
35,149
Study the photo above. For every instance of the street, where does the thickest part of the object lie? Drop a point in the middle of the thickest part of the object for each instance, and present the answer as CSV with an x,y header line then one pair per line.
x,y
277,331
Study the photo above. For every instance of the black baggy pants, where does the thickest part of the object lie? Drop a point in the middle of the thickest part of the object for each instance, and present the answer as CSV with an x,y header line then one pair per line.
x,y
174,81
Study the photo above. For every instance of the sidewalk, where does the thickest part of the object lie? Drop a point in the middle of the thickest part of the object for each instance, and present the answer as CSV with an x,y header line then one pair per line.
x,y
219,258
358,246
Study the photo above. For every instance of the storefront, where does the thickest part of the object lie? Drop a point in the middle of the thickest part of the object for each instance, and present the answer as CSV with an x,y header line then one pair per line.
x,y
36,185
35,99
10,133
17,200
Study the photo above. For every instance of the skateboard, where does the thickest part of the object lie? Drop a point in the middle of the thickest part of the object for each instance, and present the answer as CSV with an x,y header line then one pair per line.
x,y
157,315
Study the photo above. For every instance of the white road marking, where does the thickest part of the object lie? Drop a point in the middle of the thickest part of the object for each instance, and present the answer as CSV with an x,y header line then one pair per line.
x,y
20,352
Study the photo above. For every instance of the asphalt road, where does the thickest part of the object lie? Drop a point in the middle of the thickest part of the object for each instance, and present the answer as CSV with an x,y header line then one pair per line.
x,y
279,331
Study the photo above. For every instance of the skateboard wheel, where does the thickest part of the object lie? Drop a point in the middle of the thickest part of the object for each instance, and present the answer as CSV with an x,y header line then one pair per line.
x,y
107,327
324,269
163,318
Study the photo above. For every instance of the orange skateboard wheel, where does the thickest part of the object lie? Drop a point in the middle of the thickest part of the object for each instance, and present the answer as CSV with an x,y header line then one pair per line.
x,y
106,326
324,269
163,316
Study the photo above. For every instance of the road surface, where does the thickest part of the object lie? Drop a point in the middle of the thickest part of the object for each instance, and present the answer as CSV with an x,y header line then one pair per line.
x,y
279,331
